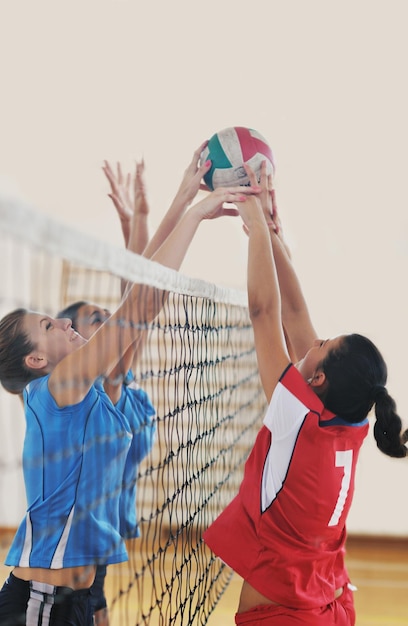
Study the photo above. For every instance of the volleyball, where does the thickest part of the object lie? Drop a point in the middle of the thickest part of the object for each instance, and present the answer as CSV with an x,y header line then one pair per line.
x,y
228,150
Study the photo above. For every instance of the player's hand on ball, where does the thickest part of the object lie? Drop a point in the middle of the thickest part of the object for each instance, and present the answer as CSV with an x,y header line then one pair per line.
x,y
212,206
265,182
192,179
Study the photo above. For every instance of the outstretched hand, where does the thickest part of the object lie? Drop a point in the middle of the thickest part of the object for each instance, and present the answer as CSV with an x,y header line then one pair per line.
x,y
120,185
126,199
267,195
192,179
268,202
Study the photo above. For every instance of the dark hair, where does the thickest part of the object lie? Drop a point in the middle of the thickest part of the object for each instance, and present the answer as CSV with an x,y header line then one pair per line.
x,y
71,311
14,346
357,373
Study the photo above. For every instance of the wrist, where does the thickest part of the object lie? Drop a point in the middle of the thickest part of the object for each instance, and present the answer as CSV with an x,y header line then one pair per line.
x,y
272,226
196,213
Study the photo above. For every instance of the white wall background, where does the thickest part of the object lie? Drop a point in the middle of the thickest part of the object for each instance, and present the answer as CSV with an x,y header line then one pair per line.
x,y
323,81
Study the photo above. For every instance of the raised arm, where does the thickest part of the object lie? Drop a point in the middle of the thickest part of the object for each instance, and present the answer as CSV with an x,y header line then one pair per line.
x,y
264,299
132,207
139,229
120,186
128,195
187,191
295,313
296,319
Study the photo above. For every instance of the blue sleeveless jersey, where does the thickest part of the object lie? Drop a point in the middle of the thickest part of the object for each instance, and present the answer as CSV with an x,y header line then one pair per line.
x,y
135,404
73,460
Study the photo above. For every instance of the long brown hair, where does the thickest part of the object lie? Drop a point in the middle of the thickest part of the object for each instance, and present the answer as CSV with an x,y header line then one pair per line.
x,y
14,346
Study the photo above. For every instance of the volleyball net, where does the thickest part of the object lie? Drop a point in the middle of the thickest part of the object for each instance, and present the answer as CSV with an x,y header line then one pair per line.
x,y
198,367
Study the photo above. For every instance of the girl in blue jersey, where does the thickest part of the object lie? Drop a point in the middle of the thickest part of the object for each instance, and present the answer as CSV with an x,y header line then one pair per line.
x,y
76,441
284,533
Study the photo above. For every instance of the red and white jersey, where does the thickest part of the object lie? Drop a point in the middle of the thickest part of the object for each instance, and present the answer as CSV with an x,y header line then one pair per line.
x,y
284,532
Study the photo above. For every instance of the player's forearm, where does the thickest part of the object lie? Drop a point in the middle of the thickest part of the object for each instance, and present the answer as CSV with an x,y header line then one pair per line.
x,y
263,287
139,233
173,250
295,312
166,226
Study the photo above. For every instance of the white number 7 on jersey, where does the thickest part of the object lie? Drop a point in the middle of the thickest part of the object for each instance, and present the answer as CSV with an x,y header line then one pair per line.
x,y
343,459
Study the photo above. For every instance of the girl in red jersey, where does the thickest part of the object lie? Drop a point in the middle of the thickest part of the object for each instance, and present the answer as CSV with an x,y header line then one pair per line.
x,y
284,533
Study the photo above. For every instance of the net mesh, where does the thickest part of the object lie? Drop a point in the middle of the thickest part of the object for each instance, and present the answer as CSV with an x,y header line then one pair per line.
x,y
199,369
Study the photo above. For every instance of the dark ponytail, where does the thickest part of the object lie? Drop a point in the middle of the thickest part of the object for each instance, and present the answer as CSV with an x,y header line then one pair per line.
x,y
356,374
388,425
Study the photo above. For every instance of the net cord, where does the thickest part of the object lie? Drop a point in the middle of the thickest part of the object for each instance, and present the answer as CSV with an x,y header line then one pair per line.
x,y
22,220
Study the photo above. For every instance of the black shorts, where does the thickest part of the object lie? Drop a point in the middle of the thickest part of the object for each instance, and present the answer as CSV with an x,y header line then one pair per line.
x,y
29,602
98,600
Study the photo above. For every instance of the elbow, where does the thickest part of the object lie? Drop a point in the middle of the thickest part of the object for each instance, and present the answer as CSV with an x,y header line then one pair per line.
x,y
259,311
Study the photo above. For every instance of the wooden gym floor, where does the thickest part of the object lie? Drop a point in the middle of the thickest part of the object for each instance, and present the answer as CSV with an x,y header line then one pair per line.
x,y
377,566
